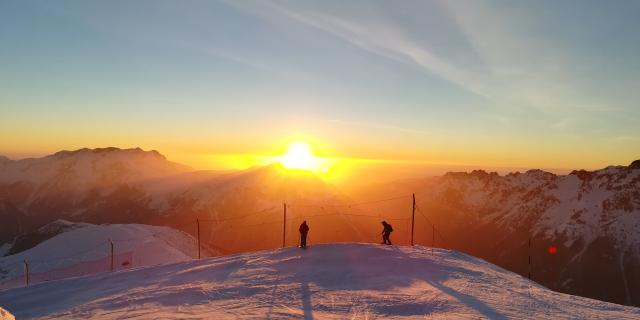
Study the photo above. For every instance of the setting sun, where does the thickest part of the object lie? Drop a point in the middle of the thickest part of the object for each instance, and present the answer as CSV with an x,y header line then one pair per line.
x,y
299,156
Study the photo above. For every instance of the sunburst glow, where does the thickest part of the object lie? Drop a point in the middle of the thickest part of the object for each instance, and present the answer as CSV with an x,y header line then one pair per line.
x,y
299,156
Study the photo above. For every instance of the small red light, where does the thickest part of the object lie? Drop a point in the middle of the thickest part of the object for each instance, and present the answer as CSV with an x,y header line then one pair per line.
x,y
552,250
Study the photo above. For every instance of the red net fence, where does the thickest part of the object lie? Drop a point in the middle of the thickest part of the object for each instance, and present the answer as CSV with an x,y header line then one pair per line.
x,y
121,261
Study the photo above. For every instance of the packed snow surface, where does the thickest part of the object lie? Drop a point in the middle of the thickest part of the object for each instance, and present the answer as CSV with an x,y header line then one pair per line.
x,y
332,281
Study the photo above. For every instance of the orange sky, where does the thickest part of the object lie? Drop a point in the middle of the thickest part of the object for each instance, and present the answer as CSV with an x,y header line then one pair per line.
x,y
224,84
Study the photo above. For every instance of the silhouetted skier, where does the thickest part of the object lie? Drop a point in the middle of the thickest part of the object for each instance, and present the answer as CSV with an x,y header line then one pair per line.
x,y
304,229
386,232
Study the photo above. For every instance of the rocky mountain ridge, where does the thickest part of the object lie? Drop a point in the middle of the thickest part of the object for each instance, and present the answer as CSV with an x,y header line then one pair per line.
x,y
591,217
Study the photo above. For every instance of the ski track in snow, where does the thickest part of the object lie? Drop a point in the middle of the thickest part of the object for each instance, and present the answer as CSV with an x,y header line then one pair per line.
x,y
331,281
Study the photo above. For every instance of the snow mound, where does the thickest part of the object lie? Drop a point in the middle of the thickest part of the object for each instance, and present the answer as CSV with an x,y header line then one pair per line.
x,y
85,249
29,240
332,281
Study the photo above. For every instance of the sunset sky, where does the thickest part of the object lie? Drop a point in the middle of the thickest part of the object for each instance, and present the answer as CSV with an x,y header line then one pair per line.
x,y
220,84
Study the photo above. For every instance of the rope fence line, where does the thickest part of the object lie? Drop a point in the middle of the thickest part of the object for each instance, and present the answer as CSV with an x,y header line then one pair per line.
x,y
69,257
435,230
342,214
347,204
240,217
153,234
338,211
264,224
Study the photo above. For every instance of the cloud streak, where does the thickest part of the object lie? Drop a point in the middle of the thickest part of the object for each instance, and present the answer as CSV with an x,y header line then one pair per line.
x,y
383,39
513,71
373,125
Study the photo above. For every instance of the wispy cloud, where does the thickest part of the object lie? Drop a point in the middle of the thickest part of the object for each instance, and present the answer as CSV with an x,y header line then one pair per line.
x,y
626,138
380,126
513,71
524,68
385,39
563,123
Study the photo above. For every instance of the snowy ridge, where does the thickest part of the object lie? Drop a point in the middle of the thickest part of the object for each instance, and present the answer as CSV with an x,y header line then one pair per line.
x,y
579,207
592,217
144,245
333,281
88,167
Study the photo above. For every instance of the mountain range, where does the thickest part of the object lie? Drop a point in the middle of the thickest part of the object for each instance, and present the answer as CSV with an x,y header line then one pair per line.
x,y
111,185
592,218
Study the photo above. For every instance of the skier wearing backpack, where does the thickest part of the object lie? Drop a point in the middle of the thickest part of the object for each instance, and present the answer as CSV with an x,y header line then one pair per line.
x,y
304,229
386,232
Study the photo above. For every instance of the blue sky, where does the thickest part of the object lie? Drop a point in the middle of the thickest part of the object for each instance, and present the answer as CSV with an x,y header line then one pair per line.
x,y
500,83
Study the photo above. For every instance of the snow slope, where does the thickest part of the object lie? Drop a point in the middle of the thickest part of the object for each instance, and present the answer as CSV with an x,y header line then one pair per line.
x,y
333,281
85,249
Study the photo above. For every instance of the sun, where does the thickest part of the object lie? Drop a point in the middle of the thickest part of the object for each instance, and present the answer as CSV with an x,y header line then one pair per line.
x,y
299,156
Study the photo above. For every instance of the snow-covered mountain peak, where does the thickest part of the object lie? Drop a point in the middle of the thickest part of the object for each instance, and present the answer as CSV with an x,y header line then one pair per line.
x,y
475,175
90,166
540,174
132,152
74,174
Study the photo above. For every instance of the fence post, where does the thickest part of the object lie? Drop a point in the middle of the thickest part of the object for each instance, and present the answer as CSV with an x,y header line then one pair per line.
x,y
111,243
26,272
433,236
198,225
413,216
529,258
284,224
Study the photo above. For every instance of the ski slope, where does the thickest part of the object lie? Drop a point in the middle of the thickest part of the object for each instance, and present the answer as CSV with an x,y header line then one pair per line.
x,y
332,281
85,249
